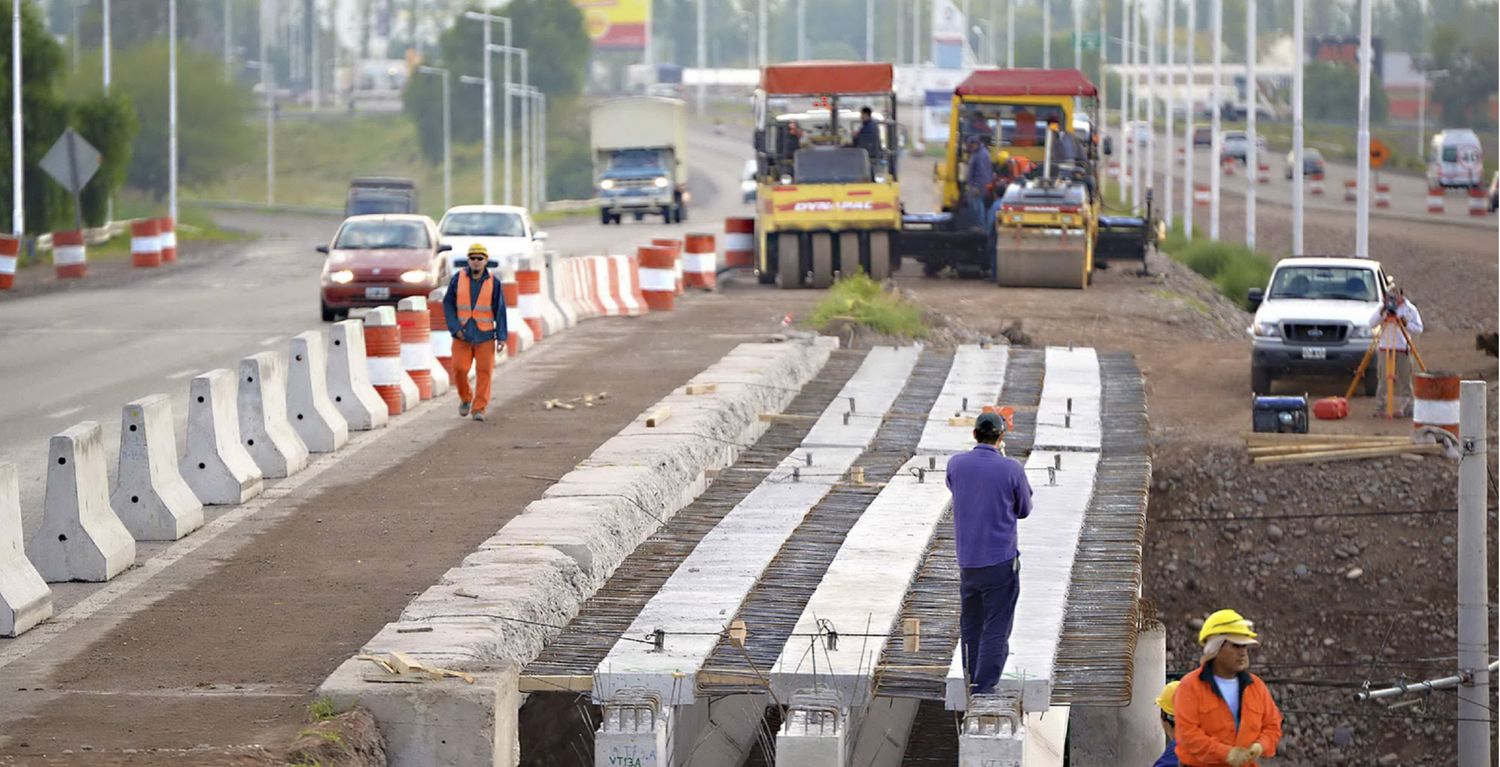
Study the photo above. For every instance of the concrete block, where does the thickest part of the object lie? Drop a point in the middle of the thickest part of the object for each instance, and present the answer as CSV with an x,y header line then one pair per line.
x,y
80,539
216,465
639,732
151,498
411,396
349,378
428,722
555,289
267,435
25,599
309,408
553,321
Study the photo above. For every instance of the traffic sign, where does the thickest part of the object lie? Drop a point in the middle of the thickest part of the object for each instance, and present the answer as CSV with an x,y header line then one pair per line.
x,y
1378,153
1088,41
72,161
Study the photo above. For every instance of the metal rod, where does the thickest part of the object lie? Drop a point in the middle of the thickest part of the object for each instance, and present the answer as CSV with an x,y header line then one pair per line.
x,y
1431,685
1189,195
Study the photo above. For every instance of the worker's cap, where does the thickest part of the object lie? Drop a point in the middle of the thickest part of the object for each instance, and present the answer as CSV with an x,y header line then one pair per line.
x,y
478,249
1166,700
973,140
989,423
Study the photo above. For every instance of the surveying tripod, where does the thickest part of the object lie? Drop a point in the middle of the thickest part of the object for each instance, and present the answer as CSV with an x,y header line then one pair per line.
x,y
1390,320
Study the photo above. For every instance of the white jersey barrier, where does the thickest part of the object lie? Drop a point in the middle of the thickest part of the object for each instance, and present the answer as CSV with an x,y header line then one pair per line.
x,y
151,498
215,464
349,384
80,539
309,409
25,599
264,430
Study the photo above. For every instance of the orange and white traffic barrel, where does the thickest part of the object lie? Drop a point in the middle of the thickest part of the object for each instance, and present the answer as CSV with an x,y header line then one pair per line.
x,y
1351,190
1202,195
529,286
1382,195
1435,401
383,356
625,271
442,341
658,277
1478,205
1226,166
166,238
10,255
1262,173
145,243
699,261
1113,170
739,243
605,284
69,256
1181,156
676,248
1434,199
416,342
1315,184
518,336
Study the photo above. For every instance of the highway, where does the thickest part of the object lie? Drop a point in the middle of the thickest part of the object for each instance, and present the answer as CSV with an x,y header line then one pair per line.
x,y
79,355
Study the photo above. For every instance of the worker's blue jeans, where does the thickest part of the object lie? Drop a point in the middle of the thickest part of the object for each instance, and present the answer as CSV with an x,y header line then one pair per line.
x,y
988,609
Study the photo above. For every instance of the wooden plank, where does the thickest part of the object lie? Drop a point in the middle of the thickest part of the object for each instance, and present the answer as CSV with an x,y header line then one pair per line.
x,y
696,389
1275,438
1344,455
774,417
556,683
1269,450
657,417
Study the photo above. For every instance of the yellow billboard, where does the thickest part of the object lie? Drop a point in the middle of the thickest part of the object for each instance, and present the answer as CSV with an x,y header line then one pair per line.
x,y
616,24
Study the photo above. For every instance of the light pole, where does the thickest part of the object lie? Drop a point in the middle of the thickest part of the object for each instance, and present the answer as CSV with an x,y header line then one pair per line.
x,y
171,107
760,37
1189,195
105,40
1252,151
1077,36
508,50
869,30
1010,34
1362,144
228,39
1422,107
1138,179
17,171
1046,34
1170,156
447,133
1149,20
1215,165
266,84
1297,100
802,30
984,39
489,109
702,58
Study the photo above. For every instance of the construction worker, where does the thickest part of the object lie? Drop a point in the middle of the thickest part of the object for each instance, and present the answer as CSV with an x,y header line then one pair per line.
x,y
1168,757
868,135
475,309
1064,144
977,185
1402,312
1224,715
990,494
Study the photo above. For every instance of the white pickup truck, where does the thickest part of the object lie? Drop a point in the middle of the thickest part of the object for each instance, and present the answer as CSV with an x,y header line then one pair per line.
x,y
1314,317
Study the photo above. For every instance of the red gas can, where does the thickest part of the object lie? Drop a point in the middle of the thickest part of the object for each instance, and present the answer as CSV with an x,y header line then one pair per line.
x,y
1331,408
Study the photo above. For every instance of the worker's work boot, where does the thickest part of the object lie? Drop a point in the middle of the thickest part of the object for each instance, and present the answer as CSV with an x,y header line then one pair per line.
x,y
479,415
463,409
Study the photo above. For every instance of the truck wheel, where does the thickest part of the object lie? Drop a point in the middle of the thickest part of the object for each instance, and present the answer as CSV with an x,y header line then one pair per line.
x,y
789,261
848,261
880,255
330,314
1370,384
1260,379
822,259
639,216
604,217
681,213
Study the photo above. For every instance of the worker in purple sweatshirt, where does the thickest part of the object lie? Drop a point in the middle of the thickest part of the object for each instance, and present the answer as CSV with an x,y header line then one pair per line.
x,y
990,493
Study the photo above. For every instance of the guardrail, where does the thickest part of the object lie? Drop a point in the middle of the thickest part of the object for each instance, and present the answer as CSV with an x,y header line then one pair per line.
x,y
96,236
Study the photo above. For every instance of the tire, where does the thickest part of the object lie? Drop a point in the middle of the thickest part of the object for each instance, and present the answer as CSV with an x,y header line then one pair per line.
x,y
880,255
330,314
849,261
1260,380
638,216
789,261
604,217
1370,384
822,259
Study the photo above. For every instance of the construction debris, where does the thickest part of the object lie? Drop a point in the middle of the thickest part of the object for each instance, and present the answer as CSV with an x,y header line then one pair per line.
x,y
587,400
1320,448
399,664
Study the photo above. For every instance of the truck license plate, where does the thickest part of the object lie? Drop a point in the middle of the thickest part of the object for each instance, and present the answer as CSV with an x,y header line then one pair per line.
x,y
1314,353
377,294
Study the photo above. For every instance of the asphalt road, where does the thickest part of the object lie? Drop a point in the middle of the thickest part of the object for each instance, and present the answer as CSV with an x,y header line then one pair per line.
x,y
78,355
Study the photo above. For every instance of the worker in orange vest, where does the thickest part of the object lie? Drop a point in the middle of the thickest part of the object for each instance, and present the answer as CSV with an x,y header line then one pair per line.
x,y
474,307
1225,716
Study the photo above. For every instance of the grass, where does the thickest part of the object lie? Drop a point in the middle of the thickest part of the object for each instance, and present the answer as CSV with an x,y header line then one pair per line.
x,y
1233,269
1192,302
868,303
321,710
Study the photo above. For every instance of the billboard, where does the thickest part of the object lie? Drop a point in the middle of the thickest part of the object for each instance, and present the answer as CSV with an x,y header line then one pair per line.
x,y
937,109
616,24
949,35
1344,49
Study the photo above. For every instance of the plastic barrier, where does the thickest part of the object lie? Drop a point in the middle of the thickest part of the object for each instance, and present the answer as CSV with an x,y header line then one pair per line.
x,y
699,261
1382,195
166,228
69,256
676,248
1351,190
267,434
1315,184
739,239
529,297
1435,202
80,539
349,382
559,288
625,271
216,465
658,277
416,343
10,255
553,321
1479,204
151,498
145,243
605,290
1435,401
442,342
519,337
25,599
383,353
313,415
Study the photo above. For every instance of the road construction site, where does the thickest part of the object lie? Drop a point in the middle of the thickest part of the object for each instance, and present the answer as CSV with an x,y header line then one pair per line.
x,y
730,510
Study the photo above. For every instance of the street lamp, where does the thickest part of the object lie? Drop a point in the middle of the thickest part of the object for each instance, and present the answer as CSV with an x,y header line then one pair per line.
x,y
17,172
267,79
537,145
489,109
983,35
171,106
525,114
447,134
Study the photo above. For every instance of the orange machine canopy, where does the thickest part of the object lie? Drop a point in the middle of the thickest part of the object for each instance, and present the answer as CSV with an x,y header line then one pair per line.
x,y
807,78
1026,82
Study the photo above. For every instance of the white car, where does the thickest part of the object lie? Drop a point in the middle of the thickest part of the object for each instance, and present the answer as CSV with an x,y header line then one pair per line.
x,y
1314,317
1235,145
506,231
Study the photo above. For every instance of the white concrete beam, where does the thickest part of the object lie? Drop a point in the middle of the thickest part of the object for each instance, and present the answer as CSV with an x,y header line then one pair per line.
x,y
974,381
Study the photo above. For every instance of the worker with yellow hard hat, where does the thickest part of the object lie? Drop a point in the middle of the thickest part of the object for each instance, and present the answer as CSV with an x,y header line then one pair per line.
x,y
1223,714
1164,702
474,308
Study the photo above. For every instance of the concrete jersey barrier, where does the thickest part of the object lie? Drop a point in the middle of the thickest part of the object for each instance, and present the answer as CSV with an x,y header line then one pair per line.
x,y
25,599
151,498
80,539
349,379
309,409
215,463
264,430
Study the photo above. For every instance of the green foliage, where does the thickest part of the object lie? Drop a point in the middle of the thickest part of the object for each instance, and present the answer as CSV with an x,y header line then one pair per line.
x,y
1337,93
1468,54
867,302
320,710
44,114
1233,269
109,123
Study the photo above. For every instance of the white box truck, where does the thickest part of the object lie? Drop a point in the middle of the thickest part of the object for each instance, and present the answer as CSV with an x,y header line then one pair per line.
x,y
640,158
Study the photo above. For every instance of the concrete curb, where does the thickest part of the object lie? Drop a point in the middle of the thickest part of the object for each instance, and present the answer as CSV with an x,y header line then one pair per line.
x,y
310,411
25,599
81,539
349,379
215,463
151,497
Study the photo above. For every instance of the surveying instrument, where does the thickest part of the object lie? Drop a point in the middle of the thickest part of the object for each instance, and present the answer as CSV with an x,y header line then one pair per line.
x,y
1389,323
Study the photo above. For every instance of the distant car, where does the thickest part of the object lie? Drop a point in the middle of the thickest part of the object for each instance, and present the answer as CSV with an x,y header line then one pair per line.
x,y
506,231
380,194
1203,135
1235,145
747,182
1140,133
1312,162
378,260
1455,159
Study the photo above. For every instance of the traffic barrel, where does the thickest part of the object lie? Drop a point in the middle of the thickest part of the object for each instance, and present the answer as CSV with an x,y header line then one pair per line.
x,y
145,243
1315,184
1435,401
383,355
739,243
658,277
518,336
1226,165
69,255
1382,195
166,237
1351,190
1202,195
529,286
442,341
626,272
1478,205
10,255
1263,173
676,247
1434,199
699,261
416,342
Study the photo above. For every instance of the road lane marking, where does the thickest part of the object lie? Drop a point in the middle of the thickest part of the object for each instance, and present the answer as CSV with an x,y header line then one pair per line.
x,y
271,341
181,374
66,412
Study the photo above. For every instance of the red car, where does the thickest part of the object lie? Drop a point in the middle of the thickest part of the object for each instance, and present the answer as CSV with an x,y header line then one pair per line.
x,y
379,260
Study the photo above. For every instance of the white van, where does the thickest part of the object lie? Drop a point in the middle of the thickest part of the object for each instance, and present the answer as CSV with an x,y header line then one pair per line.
x,y
1455,159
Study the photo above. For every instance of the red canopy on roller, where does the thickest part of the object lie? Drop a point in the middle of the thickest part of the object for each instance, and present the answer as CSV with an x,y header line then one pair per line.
x,y
1026,82
806,78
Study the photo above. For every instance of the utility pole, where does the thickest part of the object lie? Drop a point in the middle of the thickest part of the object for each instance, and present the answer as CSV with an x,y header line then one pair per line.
x,y
1010,34
1252,152
1473,577
172,109
489,109
17,164
1170,156
447,133
1215,169
1189,193
1046,34
1362,143
702,58
1139,179
1298,32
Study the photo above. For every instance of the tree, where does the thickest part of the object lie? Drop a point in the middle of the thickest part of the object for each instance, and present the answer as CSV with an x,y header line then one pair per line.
x,y
110,125
44,114
1467,53
1337,89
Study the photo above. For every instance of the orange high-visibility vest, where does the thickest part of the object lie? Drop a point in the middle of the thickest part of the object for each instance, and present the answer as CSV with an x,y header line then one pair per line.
x,y
480,312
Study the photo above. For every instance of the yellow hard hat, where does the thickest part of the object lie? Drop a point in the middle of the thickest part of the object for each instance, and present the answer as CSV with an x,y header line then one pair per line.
x,y
478,249
1164,700
1226,623
1004,156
